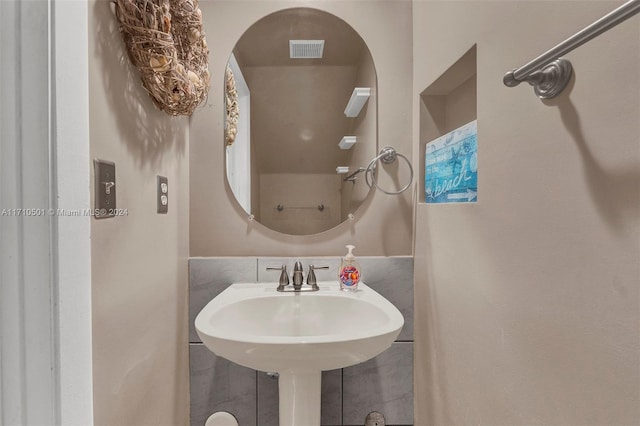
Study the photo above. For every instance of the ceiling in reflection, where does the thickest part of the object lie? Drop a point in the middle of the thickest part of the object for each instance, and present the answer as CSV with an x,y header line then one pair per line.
x,y
297,105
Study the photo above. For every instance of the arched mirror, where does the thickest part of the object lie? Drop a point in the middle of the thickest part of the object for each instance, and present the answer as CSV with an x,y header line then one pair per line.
x,y
300,95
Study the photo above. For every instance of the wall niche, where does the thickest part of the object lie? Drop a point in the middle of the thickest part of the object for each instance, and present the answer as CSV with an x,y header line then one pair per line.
x,y
447,104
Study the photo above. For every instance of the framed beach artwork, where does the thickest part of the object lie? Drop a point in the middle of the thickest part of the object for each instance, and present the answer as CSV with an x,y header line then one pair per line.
x,y
451,167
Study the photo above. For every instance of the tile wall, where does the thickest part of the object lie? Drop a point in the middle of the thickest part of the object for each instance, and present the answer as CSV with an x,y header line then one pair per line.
x,y
384,383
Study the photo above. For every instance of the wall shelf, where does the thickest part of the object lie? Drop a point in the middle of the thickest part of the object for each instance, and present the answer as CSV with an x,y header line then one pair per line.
x,y
347,142
359,97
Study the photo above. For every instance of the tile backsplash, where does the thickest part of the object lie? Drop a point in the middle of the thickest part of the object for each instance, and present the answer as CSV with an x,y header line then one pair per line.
x,y
209,276
384,383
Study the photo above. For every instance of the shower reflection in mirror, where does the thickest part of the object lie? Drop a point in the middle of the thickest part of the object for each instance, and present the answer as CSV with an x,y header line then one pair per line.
x,y
299,76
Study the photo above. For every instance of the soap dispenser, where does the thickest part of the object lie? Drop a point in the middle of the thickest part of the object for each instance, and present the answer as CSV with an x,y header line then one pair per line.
x,y
349,272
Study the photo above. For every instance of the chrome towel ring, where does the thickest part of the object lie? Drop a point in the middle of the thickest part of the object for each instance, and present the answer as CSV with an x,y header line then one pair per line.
x,y
387,155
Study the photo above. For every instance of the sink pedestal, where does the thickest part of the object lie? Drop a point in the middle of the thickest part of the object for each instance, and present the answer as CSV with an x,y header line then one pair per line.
x,y
300,398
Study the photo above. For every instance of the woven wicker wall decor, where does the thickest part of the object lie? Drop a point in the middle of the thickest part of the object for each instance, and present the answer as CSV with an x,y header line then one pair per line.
x,y
166,42
233,112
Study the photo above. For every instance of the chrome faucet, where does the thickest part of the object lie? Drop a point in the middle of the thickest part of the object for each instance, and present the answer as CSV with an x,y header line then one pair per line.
x,y
297,276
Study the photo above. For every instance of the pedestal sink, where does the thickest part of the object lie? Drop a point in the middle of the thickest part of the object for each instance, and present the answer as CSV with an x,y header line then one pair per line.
x,y
298,335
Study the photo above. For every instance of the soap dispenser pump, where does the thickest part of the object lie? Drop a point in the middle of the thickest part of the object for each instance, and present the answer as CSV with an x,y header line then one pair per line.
x,y
349,272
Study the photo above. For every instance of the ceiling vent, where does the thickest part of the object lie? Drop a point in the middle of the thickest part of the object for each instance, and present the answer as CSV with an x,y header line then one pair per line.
x,y
306,49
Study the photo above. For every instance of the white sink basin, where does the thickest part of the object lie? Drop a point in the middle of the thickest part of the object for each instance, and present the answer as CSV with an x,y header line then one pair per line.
x,y
298,335
256,326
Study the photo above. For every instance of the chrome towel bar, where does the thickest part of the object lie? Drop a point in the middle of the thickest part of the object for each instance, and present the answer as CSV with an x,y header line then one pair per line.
x,y
548,73
319,207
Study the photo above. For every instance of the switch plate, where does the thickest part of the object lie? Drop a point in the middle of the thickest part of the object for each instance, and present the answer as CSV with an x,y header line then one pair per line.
x,y
163,195
105,188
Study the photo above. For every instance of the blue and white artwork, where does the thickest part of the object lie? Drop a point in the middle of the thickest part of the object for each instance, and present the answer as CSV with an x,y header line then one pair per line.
x,y
451,167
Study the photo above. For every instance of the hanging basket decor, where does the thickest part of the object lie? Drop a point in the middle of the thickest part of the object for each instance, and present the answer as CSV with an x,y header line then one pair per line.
x,y
233,112
167,44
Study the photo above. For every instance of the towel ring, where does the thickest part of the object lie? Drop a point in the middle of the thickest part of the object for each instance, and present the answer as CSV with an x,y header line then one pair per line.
x,y
387,155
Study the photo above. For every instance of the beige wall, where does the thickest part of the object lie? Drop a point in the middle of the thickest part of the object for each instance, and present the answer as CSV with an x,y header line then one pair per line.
x,y
139,261
527,302
383,226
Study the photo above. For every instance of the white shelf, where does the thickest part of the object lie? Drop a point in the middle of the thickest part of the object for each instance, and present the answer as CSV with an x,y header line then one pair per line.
x,y
347,142
359,97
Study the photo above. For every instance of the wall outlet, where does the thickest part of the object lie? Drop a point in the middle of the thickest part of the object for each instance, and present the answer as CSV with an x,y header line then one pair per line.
x,y
163,195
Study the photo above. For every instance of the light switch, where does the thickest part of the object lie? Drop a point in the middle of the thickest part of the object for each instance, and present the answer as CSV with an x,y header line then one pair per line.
x,y
163,195
105,188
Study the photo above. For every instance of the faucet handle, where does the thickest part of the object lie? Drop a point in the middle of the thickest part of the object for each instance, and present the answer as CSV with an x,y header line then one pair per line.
x,y
311,277
284,277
